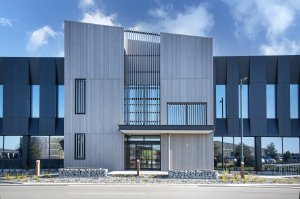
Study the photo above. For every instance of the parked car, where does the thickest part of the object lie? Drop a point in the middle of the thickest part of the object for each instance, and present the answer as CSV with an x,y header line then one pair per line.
x,y
268,160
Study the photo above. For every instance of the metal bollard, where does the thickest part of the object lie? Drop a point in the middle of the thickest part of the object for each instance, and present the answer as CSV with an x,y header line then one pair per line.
x,y
37,167
138,167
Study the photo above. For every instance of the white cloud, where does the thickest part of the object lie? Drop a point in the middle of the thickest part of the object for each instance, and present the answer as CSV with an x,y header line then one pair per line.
x,y
268,19
39,38
5,22
60,54
97,17
92,14
86,3
282,47
194,20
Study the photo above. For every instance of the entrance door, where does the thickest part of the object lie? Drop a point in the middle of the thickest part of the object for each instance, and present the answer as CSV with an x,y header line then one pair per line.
x,y
147,150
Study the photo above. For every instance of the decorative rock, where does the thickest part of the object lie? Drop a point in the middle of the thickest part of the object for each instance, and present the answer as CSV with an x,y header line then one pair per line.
x,y
193,174
81,172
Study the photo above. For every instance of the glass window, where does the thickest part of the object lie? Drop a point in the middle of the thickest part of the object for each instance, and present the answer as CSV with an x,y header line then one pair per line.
x,y
185,113
291,150
244,100
294,101
79,151
271,151
249,152
220,101
1,147
80,95
12,147
1,100
271,100
56,147
35,101
61,101
218,152
39,147
228,152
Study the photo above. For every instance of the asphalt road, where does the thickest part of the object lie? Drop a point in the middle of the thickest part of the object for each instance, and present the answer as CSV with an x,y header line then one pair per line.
x,y
145,192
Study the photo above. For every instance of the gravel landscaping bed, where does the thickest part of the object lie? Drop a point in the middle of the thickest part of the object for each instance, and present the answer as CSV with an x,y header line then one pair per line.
x,y
139,180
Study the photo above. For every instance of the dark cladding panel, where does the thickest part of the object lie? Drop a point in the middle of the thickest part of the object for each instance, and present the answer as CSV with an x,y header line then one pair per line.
x,y
258,70
232,70
271,62
59,130
221,127
48,100
272,128
283,69
295,69
1,69
16,71
257,101
284,127
258,126
47,126
220,68
47,69
295,126
243,68
34,71
15,126
16,100
60,71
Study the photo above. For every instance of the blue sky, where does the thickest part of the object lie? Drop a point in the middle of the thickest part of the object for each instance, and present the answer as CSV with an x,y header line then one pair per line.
x,y
254,27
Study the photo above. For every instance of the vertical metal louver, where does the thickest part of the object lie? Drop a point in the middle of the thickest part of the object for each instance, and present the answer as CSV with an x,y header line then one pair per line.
x,y
142,78
79,150
80,96
185,113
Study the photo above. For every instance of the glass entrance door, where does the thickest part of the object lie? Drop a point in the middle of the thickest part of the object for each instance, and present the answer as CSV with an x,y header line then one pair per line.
x,y
145,150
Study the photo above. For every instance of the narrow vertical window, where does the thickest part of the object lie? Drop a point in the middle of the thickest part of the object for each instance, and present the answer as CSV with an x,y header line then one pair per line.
x,y
1,101
245,106
271,100
294,101
220,101
35,101
79,96
79,146
61,101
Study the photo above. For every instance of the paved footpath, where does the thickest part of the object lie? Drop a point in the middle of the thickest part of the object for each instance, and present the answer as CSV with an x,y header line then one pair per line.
x,y
147,191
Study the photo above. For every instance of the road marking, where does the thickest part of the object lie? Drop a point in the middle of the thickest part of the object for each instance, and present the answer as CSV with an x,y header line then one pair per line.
x,y
111,193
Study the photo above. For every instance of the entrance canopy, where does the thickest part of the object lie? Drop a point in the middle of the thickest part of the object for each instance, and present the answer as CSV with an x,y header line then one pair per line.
x,y
165,129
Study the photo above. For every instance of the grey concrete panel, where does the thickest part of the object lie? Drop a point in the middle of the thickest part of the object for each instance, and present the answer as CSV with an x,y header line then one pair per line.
x,y
165,152
191,151
180,74
96,53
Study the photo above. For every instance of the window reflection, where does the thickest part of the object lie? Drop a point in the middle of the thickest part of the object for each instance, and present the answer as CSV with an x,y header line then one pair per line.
x,y
244,100
61,99
271,100
291,150
220,101
56,147
294,101
39,147
35,101
12,147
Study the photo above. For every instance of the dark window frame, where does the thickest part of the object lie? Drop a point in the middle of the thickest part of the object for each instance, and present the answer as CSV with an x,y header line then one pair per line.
x,y
77,155
80,97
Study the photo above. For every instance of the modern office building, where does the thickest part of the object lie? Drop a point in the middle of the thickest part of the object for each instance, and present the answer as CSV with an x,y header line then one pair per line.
x,y
121,95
